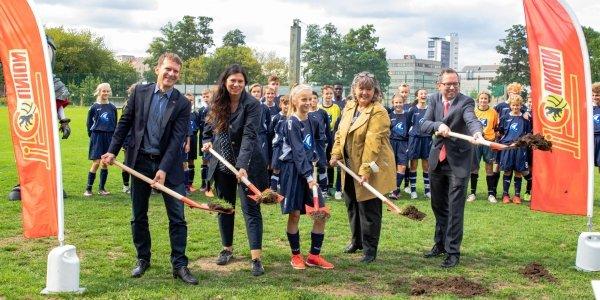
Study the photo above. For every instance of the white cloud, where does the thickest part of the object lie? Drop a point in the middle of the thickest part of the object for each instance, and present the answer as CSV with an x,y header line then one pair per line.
x,y
402,26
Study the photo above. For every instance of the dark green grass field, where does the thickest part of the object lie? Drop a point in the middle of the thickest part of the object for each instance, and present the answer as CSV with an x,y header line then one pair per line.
x,y
499,241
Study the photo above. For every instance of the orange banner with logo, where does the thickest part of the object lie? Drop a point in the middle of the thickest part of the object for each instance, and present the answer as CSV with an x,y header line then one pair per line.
x,y
561,106
32,115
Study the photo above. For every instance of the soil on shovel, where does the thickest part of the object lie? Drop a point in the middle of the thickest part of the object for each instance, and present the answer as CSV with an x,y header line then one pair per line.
x,y
319,215
413,213
537,141
268,196
458,286
536,272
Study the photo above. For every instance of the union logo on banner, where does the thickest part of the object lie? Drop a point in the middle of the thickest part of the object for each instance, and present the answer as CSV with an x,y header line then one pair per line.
x,y
559,111
27,123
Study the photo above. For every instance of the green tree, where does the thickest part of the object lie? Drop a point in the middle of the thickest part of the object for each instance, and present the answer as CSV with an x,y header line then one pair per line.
x,y
188,38
322,53
514,65
234,38
361,54
83,93
592,38
272,64
226,56
195,70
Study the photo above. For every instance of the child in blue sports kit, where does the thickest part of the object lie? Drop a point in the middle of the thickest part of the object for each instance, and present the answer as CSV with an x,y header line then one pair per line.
x,y
419,144
202,113
298,154
101,123
596,120
276,131
513,126
324,136
399,141
265,120
191,146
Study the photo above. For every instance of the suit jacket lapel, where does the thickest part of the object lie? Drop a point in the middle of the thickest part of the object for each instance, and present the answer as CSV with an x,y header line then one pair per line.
x,y
146,100
169,110
362,118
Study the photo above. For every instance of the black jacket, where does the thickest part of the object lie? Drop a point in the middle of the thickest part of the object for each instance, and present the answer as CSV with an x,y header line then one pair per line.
x,y
135,116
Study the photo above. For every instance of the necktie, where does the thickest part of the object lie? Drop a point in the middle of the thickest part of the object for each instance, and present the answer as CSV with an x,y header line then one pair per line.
x,y
442,156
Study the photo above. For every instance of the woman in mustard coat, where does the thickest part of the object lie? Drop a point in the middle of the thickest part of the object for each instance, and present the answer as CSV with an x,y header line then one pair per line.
x,y
361,140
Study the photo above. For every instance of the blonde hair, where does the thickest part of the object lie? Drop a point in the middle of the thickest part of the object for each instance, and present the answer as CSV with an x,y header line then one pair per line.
x,y
515,99
485,93
596,87
294,92
515,88
102,86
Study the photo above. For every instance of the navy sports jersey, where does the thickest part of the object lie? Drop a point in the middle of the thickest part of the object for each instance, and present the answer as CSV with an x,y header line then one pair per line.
x,y
273,110
102,117
399,126
415,118
596,118
513,127
299,145
276,132
263,132
321,136
194,123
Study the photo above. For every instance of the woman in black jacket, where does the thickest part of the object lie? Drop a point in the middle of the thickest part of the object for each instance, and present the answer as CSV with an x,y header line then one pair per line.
x,y
231,130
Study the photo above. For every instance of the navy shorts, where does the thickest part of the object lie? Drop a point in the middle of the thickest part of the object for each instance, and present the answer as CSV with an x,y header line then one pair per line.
x,y
514,160
99,143
400,149
193,154
597,150
419,147
294,189
483,152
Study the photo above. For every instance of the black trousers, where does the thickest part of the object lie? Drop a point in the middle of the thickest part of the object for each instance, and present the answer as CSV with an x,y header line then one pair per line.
x,y
364,218
448,195
140,194
226,186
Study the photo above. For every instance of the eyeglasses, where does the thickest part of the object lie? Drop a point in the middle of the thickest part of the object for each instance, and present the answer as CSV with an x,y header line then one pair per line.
x,y
450,84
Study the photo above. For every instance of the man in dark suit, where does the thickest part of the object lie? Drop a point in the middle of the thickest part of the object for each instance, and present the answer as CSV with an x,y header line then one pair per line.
x,y
158,116
449,162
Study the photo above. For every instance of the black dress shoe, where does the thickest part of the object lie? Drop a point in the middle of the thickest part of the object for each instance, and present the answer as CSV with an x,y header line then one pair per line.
x,y
140,268
450,261
185,275
351,248
367,259
257,268
435,251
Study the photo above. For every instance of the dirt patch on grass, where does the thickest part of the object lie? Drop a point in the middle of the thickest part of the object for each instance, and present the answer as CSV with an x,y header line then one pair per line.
x,y
536,273
413,213
351,290
458,286
209,264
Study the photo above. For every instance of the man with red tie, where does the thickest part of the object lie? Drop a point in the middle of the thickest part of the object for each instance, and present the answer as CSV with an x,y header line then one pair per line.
x,y
449,162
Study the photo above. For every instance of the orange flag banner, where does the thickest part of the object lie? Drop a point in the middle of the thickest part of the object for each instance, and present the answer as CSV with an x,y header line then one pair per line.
x,y
561,106
32,114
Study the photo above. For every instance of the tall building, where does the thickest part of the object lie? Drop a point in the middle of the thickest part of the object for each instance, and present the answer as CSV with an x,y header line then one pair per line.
x,y
444,50
418,73
476,78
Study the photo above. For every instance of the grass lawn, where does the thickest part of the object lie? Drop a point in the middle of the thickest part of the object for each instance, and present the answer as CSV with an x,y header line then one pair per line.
x,y
499,241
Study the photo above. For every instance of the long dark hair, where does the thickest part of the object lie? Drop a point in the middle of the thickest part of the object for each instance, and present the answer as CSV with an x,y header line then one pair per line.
x,y
220,110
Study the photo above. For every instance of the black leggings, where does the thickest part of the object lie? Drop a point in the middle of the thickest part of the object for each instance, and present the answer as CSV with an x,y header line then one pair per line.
x,y
226,186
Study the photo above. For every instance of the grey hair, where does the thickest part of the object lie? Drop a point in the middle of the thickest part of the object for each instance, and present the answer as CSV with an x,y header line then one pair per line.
x,y
366,79
447,71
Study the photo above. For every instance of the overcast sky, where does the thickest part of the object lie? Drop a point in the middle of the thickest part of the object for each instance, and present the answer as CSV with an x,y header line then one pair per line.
x,y
403,26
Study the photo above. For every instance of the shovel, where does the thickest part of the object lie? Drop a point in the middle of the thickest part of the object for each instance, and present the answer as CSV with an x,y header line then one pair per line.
x,y
191,203
393,208
493,145
316,212
268,196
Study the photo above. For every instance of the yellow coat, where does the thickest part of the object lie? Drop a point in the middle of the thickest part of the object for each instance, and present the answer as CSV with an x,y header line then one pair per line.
x,y
368,140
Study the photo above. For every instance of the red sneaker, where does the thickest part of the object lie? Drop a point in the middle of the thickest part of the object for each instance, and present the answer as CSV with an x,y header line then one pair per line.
x,y
505,199
318,261
297,262
516,199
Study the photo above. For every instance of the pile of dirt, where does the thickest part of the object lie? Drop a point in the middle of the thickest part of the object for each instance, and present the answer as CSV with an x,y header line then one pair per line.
x,y
413,213
458,286
320,215
537,141
268,196
536,272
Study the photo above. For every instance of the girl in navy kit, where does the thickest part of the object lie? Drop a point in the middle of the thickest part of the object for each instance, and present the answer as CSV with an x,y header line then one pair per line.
x,y
419,144
298,154
322,137
399,141
512,126
596,119
101,123
276,134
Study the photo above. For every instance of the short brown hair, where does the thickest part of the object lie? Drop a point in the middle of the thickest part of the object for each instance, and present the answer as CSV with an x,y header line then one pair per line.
x,y
596,87
327,86
272,78
170,56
